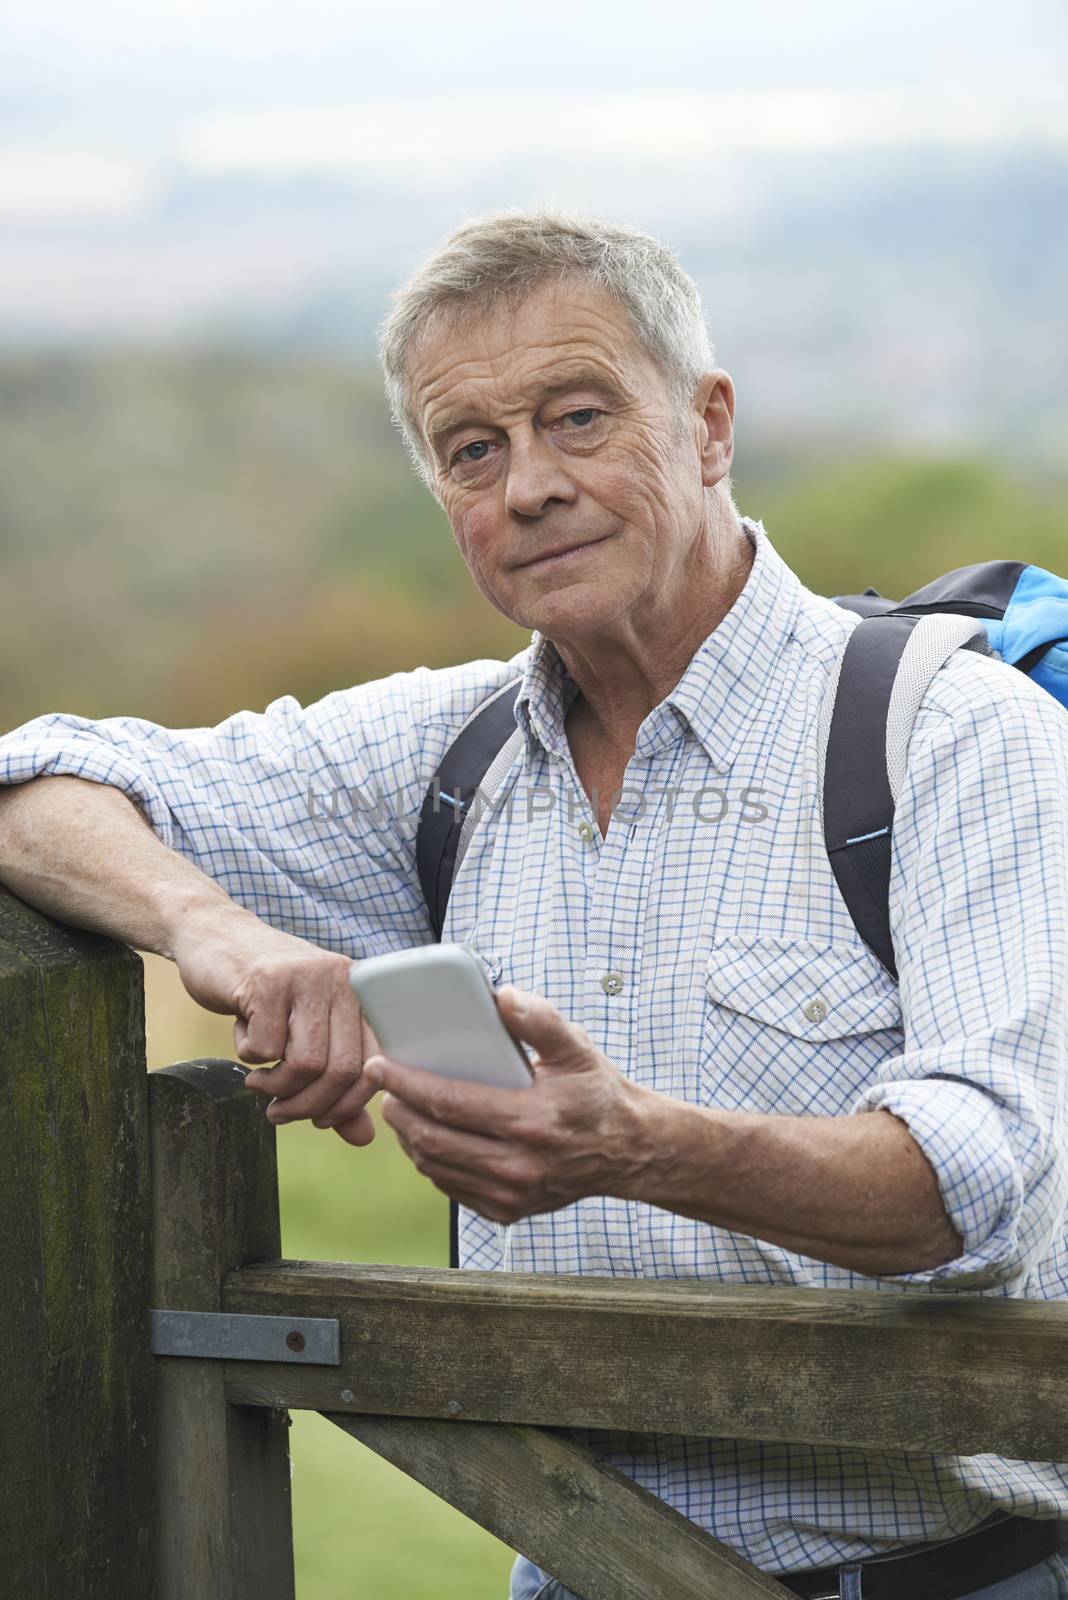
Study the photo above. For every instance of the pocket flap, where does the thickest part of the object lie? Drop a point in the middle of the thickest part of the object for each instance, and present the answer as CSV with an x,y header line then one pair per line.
x,y
811,991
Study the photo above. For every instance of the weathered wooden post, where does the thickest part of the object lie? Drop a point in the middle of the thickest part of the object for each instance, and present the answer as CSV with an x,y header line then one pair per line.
x,y
77,1431
224,1521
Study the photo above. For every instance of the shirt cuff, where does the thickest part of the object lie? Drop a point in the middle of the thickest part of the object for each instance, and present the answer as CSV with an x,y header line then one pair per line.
x,y
64,755
962,1133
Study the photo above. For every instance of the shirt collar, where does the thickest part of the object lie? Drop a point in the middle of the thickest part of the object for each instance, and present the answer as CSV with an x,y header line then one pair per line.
x,y
721,690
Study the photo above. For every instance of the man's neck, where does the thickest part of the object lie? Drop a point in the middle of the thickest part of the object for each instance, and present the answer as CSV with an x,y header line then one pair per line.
x,y
620,681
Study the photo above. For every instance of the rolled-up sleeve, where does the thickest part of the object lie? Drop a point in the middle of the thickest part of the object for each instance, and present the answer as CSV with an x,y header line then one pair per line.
x,y
307,817
979,915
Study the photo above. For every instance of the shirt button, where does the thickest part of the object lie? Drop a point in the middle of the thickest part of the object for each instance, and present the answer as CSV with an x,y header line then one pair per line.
x,y
815,1010
585,831
612,982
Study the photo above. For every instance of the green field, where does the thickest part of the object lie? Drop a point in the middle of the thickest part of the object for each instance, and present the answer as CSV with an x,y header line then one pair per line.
x,y
362,1528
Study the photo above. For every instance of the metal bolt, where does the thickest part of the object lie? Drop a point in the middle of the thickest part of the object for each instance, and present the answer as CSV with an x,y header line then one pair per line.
x,y
295,1340
455,1407
346,1395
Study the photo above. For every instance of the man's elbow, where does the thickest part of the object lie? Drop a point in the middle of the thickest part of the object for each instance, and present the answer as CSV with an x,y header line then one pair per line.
x,y
938,1244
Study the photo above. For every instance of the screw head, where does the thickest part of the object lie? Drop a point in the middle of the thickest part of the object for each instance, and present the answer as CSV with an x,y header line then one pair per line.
x,y
346,1395
455,1407
295,1340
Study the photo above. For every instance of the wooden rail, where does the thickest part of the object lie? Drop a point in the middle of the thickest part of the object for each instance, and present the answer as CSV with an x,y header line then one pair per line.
x,y
168,1478
879,1371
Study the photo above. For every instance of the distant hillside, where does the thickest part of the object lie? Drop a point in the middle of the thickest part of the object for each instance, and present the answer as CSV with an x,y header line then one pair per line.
x,y
184,533
898,296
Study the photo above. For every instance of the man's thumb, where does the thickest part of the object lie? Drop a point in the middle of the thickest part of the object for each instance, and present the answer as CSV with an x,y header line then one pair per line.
x,y
536,1021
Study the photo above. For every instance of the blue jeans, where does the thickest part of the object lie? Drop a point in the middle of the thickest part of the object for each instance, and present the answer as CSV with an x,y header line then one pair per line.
x,y
1047,1581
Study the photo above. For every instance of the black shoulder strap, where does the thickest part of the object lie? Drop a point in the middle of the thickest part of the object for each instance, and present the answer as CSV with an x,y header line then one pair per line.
x,y
451,791
441,821
858,805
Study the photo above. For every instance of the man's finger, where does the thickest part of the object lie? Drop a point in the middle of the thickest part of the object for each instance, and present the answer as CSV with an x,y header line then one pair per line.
x,y
473,1189
497,1201
536,1021
305,1055
328,1068
473,1106
261,1034
358,1130
428,1140
346,1106
351,1040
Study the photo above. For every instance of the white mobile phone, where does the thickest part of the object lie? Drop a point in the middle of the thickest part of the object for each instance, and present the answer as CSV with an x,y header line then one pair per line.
x,y
433,1007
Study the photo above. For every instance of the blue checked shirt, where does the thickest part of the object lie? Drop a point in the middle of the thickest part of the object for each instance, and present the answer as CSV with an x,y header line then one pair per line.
x,y
704,947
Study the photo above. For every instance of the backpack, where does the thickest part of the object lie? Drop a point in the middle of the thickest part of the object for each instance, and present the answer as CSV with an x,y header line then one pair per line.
x,y
1008,609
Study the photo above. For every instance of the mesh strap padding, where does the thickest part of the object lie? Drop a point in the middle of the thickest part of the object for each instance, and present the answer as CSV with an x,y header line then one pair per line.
x,y
864,727
931,643
495,775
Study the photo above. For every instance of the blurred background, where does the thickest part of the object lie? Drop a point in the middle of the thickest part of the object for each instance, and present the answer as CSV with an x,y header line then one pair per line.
x,y
203,504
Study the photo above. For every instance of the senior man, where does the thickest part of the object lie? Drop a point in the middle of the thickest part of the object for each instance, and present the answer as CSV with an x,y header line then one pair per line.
x,y
729,1086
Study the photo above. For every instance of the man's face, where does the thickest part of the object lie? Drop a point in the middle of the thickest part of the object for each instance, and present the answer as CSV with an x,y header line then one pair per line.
x,y
551,430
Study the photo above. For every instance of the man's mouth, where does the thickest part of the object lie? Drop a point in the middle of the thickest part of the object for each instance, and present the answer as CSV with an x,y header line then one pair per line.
x,y
563,552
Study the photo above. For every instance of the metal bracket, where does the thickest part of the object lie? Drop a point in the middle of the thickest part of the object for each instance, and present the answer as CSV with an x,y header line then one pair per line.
x,y
231,1336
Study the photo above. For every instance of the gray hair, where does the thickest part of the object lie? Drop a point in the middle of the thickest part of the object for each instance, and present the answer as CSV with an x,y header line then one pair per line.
x,y
498,260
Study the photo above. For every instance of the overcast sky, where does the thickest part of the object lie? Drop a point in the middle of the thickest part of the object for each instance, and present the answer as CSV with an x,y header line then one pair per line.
x,y
102,104
847,180
124,68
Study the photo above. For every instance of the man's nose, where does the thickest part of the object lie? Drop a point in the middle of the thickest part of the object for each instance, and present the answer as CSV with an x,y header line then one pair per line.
x,y
536,477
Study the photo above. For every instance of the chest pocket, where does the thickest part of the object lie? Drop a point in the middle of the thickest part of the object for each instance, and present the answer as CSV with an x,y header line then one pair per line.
x,y
794,1028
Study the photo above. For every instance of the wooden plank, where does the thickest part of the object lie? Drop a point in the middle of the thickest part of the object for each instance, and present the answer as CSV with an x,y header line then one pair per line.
x,y
224,1514
875,1370
76,1378
592,1527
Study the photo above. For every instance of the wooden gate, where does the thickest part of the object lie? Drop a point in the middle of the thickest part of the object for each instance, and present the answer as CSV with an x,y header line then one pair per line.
x,y
141,1211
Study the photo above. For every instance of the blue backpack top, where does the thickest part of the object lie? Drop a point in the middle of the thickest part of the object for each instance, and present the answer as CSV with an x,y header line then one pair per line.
x,y
1009,609
1024,611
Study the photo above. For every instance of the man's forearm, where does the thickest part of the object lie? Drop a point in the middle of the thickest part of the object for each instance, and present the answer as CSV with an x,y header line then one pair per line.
x,y
82,852
856,1191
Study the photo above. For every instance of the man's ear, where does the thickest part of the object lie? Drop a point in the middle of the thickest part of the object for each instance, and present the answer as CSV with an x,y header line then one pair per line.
x,y
714,403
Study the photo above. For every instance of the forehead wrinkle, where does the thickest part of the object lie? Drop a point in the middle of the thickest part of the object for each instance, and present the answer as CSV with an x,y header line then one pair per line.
x,y
554,315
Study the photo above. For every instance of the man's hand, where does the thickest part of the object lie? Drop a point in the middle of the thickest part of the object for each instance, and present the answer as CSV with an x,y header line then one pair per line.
x,y
293,1005
508,1153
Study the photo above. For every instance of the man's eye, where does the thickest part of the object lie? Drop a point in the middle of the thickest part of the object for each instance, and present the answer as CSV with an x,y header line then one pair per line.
x,y
479,445
584,416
